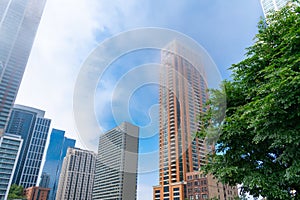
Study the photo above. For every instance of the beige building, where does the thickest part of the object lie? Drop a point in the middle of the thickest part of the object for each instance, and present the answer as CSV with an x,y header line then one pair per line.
x,y
116,167
77,175
37,193
200,186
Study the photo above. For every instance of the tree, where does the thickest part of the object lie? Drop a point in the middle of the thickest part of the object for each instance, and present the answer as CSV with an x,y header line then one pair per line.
x,y
258,130
16,192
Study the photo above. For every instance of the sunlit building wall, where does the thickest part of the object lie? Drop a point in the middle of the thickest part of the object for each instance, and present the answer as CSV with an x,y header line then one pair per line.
x,y
183,94
77,175
19,21
272,5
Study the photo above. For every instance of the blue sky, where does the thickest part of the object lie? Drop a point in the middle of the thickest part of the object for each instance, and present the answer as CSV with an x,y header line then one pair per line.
x,y
71,29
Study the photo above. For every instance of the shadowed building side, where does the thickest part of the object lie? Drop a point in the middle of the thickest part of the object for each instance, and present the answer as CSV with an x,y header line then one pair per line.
x,y
116,168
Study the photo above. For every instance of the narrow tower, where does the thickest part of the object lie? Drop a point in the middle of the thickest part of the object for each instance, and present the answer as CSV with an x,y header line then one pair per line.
x,y
183,94
19,21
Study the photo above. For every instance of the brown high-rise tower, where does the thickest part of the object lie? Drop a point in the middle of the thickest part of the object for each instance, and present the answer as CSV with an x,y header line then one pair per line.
x,y
183,94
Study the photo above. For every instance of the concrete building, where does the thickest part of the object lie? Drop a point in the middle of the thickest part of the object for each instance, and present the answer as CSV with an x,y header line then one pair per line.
x,y
30,124
56,152
272,5
45,180
77,175
201,186
183,94
116,167
19,21
36,193
10,147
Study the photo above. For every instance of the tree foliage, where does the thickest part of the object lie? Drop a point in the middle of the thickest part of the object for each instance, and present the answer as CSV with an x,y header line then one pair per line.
x,y
258,124
16,192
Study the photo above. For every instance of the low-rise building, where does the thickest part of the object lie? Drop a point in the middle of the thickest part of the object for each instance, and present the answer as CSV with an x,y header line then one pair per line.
x,y
36,193
201,186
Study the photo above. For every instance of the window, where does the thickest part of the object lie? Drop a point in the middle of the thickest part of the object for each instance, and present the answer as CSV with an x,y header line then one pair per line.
x,y
166,189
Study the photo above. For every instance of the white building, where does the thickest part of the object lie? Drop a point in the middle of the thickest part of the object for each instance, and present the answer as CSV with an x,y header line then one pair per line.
x,y
10,146
116,167
272,5
77,175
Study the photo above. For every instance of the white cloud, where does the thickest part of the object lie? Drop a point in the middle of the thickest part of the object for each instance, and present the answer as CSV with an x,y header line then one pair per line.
x,y
67,34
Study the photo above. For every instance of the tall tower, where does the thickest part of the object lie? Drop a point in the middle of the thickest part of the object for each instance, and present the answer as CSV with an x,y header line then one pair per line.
x,y
56,152
272,5
183,94
116,167
19,21
77,175
30,124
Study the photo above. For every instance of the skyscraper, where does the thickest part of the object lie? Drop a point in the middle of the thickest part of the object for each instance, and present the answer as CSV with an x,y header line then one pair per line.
x,y
30,124
272,5
19,21
182,97
56,152
77,175
116,167
10,146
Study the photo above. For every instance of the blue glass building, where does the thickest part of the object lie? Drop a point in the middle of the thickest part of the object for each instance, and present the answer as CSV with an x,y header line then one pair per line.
x,y
56,152
30,124
19,21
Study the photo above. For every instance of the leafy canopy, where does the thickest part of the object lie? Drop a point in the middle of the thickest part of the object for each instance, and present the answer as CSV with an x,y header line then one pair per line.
x,y
16,192
258,123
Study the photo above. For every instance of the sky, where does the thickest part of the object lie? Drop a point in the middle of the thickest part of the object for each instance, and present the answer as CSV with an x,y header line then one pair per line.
x,y
70,31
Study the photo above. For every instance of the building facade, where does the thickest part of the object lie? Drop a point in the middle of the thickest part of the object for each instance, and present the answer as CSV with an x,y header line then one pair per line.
x,y
45,180
77,175
19,21
30,124
56,152
201,186
10,147
116,167
183,94
272,5
37,193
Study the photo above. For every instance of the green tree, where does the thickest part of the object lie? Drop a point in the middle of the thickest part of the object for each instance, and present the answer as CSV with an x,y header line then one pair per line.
x,y
258,130
16,192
